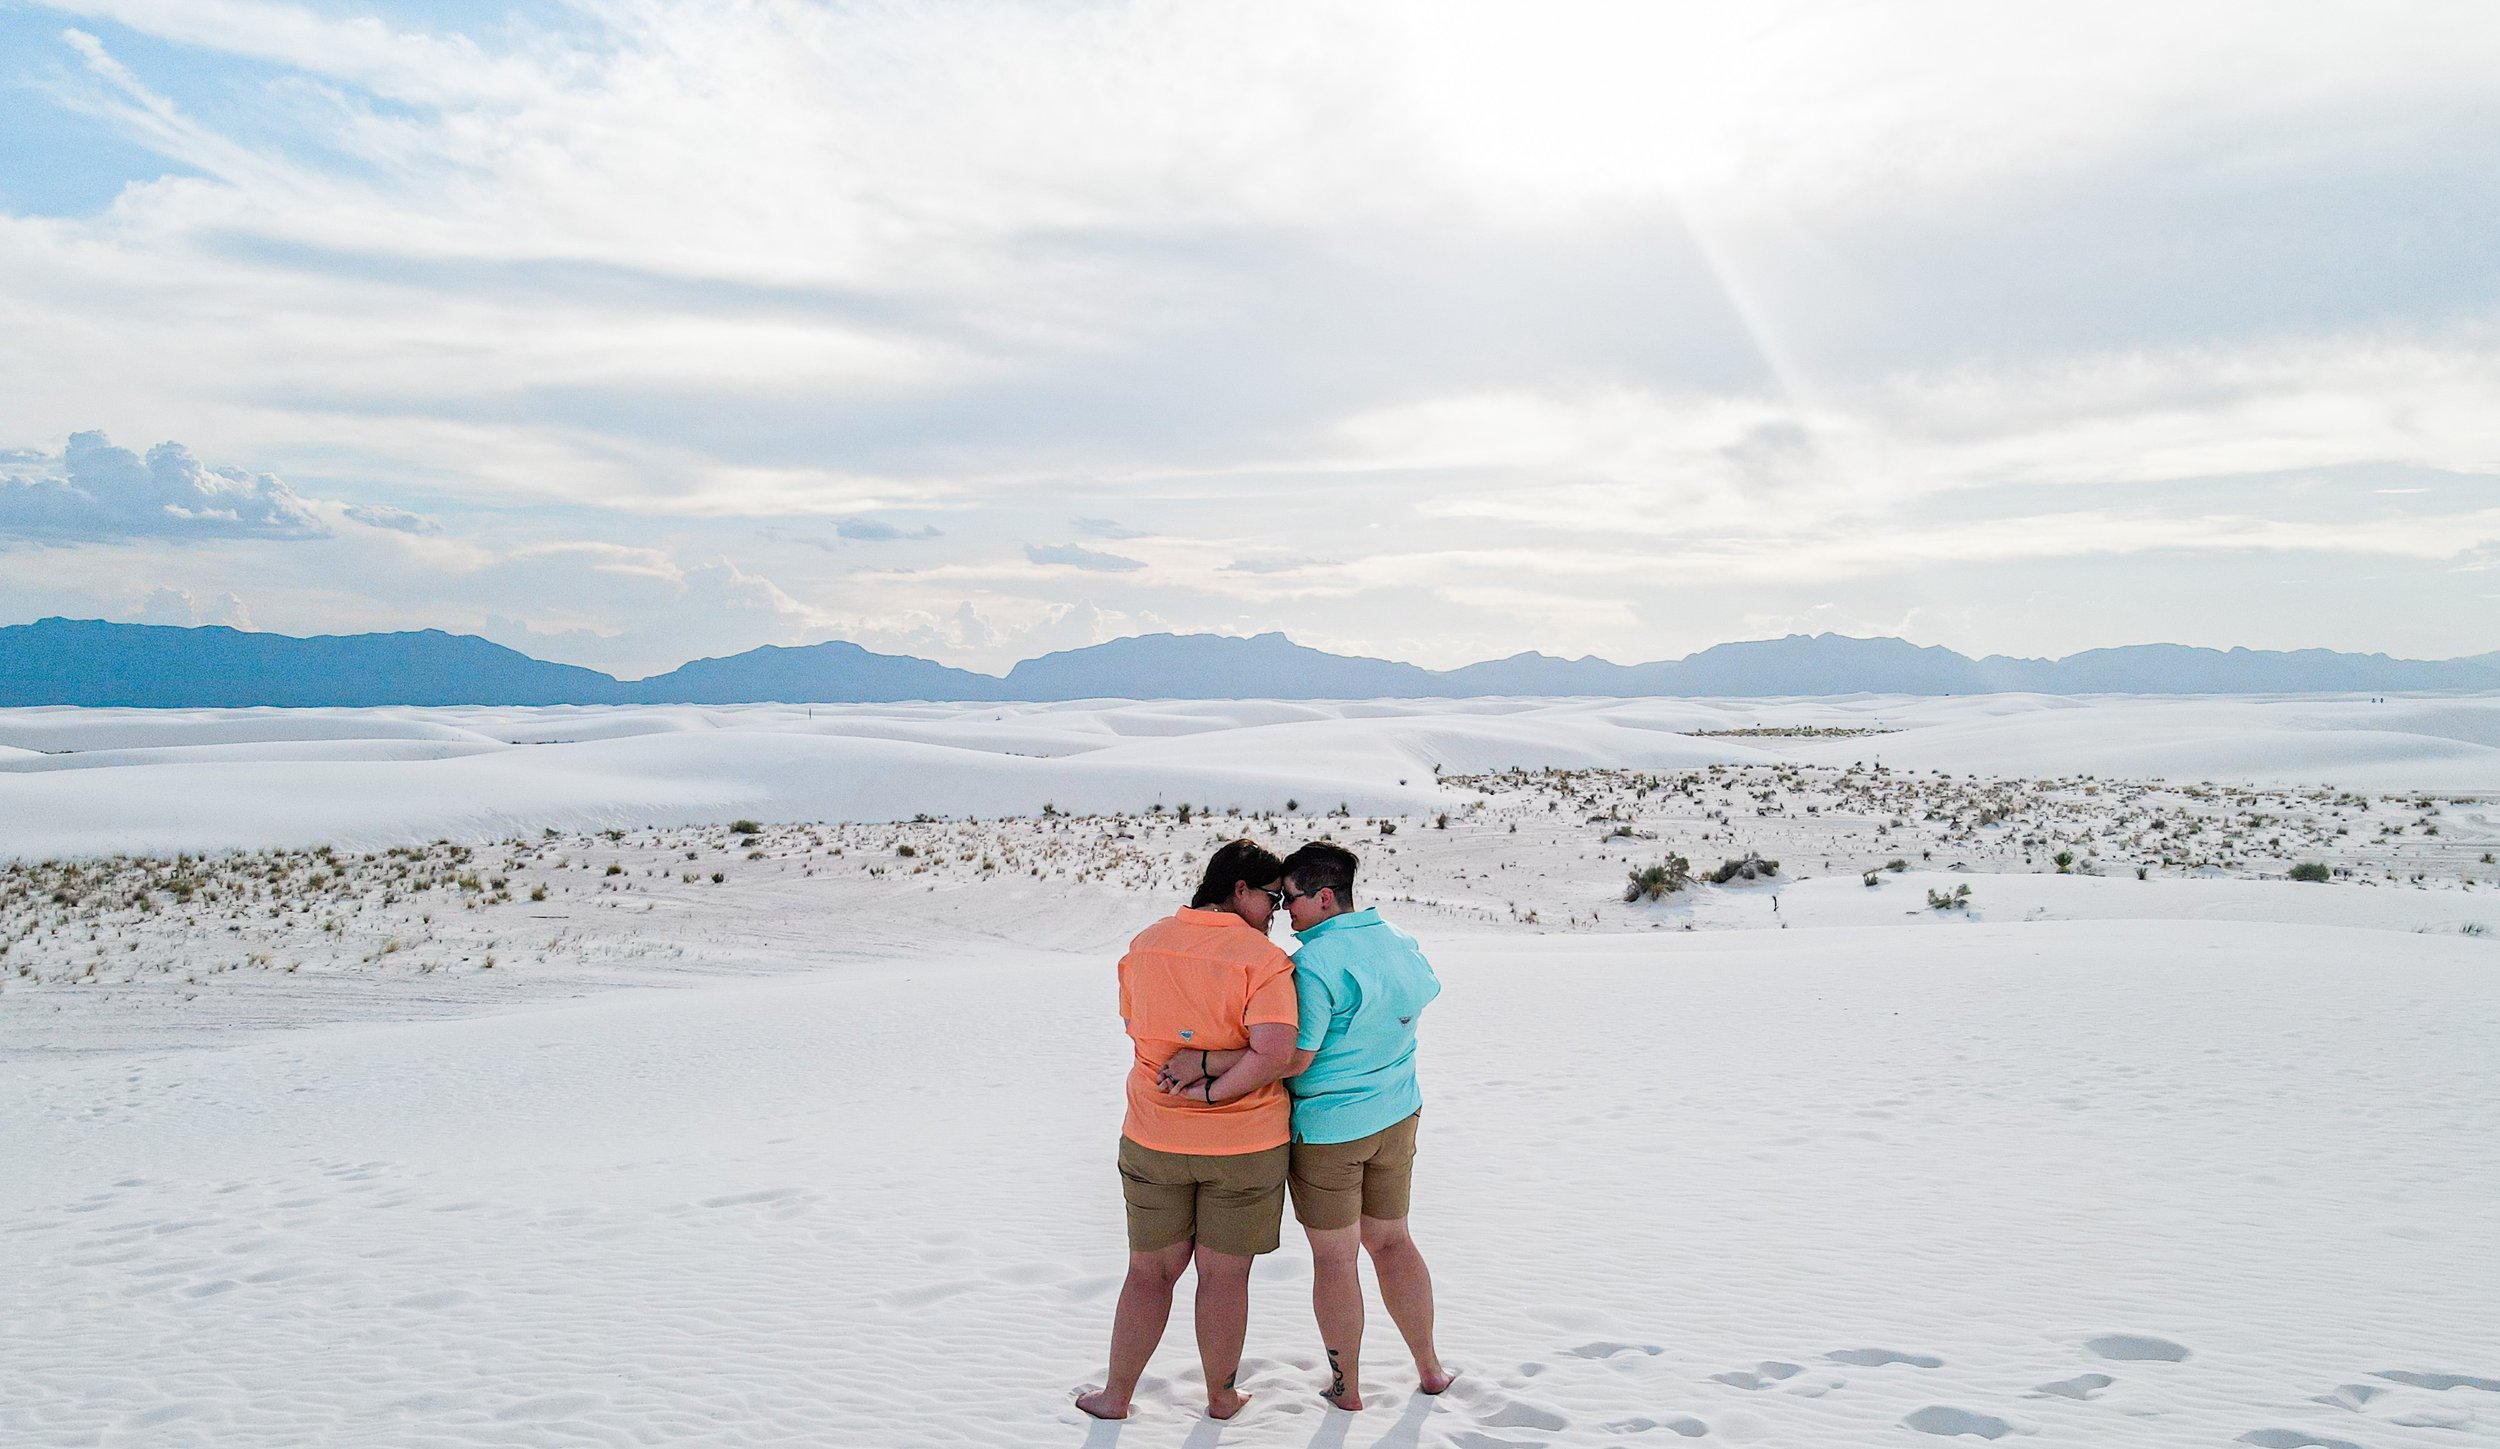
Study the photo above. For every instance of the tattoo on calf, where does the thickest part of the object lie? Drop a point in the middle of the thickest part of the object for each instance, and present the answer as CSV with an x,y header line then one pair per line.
x,y
1336,1376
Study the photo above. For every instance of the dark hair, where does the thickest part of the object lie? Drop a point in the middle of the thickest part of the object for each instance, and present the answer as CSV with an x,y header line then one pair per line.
x,y
1238,862
1323,865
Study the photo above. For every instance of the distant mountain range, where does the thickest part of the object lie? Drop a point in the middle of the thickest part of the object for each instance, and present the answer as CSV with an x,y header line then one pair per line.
x,y
91,662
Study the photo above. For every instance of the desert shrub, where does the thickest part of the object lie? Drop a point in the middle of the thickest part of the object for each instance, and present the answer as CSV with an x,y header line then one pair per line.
x,y
1747,867
1653,882
1874,878
907,851
1959,900
717,877
2311,870
615,869
745,827
2065,862
1896,865
1388,827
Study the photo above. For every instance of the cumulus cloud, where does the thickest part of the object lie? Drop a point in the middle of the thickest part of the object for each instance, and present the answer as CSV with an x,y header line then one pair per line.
x,y
872,530
1072,556
106,494
177,607
382,515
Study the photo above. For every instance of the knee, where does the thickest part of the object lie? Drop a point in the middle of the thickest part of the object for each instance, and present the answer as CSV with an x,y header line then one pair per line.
x,y
1215,1267
1161,1269
1386,1237
1334,1247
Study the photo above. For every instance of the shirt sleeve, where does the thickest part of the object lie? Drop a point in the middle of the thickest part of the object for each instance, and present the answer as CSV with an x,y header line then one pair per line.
x,y
1271,995
1318,1009
1124,1011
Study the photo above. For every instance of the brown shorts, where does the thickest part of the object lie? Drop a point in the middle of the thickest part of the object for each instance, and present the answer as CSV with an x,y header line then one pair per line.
x,y
1232,1204
1335,1183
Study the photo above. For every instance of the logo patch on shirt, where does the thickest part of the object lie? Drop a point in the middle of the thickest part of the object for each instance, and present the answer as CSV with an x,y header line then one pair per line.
x,y
1186,1033
1406,1021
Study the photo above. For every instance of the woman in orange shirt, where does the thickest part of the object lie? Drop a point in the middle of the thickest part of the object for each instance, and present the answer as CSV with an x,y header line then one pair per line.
x,y
1203,1175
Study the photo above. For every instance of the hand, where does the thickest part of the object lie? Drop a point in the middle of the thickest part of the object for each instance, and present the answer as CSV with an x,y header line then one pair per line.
x,y
1183,1072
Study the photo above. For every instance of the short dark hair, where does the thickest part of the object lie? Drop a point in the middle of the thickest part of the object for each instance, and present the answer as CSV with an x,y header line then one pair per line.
x,y
1237,862
1323,865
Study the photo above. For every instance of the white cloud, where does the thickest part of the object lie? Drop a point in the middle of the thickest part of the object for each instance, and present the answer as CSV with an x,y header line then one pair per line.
x,y
1601,295
382,515
108,494
177,607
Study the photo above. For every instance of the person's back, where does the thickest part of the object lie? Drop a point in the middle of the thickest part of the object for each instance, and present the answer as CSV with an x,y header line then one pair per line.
x,y
1357,1112
1202,1167
1364,983
1196,980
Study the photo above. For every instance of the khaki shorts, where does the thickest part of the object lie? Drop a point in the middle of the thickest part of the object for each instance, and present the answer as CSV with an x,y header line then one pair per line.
x,y
1232,1204
1334,1183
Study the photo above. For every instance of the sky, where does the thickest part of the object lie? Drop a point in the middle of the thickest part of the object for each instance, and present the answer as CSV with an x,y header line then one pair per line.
x,y
626,332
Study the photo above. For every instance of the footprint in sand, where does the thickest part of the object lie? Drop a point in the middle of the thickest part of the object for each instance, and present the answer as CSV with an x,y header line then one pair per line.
x,y
2136,1348
1945,1421
2081,1386
2293,1439
1684,1424
1516,1415
1606,1349
1500,1411
2439,1383
1878,1357
1760,1376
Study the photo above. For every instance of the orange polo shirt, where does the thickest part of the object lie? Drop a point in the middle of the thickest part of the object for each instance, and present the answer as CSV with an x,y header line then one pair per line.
x,y
1202,978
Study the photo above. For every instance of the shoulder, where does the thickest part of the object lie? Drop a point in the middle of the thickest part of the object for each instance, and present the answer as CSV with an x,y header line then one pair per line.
x,y
1162,935
1260,954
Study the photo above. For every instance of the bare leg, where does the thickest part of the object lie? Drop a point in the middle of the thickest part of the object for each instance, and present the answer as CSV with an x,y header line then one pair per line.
x,y
1137,1326
1406,1288
1223,1321
1337,1302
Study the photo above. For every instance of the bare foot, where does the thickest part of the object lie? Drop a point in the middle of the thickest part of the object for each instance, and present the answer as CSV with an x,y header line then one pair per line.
x,y
1101,1405
1438,1381
1350,1400
1224,1403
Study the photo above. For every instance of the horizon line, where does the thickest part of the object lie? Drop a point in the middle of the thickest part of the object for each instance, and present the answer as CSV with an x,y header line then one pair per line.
x,y
1265,633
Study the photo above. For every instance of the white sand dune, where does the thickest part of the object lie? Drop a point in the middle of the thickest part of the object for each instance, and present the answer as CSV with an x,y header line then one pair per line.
x,y
56,729
370,1148
2104,1183
576,768
325,751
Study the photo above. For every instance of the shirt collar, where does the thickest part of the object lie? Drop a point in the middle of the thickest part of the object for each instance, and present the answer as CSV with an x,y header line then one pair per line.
x,y
1367,916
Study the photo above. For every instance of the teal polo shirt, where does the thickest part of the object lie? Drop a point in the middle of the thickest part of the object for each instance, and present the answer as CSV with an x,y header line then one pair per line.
x,y
1363,984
